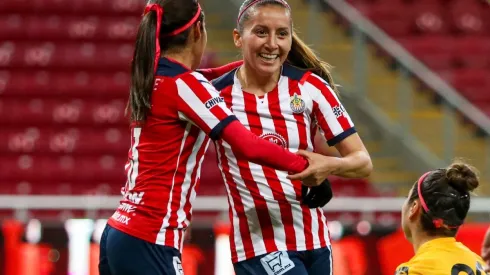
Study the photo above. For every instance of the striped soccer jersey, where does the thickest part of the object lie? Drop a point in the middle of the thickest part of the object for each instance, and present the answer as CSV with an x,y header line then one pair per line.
x,y
265,208
166,153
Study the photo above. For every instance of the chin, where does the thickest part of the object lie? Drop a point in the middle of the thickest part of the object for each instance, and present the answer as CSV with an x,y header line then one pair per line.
x,y
268,69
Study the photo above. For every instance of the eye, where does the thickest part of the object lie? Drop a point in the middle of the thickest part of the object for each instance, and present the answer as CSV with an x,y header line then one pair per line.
x,y
260,32
284,33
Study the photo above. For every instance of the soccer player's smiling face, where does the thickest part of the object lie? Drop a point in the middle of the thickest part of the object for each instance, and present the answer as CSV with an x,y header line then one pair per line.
x,y
267,37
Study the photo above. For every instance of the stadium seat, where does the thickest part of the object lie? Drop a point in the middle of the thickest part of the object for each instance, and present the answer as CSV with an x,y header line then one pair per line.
x,y
83,169
64,84
466,17
472,51
87,29
117,7
428,18
391,18
474,84
73,141
72,112
437,52
15,55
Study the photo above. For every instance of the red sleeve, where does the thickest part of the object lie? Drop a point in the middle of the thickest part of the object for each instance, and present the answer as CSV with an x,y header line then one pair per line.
x,y
249,146
213,73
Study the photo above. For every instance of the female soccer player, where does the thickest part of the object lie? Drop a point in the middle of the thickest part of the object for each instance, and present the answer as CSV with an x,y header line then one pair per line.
x,y
174,111
272,232
434,210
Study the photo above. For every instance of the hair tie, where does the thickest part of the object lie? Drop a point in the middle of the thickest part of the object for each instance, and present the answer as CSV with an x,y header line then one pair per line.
x,y
254,2
159,10
438,222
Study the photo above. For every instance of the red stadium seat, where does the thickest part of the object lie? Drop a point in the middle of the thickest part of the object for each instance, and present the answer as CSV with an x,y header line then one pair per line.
x,y
40,187
474,84
76,7
65,56
429,18
392,18
435,51
467,17
74,112
67,168
473,51
74,141
66,84
88,28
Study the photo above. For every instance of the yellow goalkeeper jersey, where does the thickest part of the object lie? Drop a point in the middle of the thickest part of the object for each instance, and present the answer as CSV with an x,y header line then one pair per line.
x,y
443,256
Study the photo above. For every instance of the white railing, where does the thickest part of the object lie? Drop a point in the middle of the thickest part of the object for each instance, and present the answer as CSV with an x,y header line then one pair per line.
x,y
413,65
209,203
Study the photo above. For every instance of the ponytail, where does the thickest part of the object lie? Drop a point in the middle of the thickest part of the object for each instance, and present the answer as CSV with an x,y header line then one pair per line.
x,y
142,69
303,57
149,47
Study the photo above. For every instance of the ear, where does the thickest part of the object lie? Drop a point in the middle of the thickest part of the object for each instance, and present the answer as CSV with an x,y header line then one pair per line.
x,y
414,210
198,31
237,38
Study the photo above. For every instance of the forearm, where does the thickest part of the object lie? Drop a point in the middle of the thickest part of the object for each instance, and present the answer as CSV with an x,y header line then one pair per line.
x,y
254,149
355,165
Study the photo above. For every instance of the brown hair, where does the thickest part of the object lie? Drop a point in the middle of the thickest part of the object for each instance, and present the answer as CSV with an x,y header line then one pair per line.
x,y
301,55
176,14
446,193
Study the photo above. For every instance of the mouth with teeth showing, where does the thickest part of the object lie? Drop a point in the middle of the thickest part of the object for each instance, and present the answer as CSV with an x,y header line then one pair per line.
x,y
268,57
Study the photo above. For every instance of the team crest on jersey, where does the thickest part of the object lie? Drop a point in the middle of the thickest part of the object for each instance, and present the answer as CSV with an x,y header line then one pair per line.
x,y
297,104
275,138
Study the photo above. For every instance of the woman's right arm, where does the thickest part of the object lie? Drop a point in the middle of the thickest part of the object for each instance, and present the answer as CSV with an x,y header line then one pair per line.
x,y
200,103
249,146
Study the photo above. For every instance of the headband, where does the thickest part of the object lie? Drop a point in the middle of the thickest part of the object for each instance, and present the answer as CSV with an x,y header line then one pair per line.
x,y
438,222
255,2
159,10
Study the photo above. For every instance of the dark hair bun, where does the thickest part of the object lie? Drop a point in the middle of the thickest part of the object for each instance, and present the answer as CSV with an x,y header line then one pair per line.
x,y
462,177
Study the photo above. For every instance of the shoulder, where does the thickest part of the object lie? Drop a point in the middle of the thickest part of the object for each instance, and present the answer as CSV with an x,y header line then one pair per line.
x,y
193,81
294,73
225,80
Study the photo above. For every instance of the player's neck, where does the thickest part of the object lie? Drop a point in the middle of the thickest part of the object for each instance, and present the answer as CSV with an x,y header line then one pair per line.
x,y
183,57
420,239
255,82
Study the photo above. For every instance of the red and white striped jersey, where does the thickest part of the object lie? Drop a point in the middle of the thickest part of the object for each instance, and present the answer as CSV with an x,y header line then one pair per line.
x,y
166,153
265,208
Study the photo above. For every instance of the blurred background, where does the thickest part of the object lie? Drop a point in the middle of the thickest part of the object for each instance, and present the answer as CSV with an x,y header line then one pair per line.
x,y
414,75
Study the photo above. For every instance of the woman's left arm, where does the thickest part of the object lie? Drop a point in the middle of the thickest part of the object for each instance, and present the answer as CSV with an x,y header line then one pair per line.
x,y
354,162
338,129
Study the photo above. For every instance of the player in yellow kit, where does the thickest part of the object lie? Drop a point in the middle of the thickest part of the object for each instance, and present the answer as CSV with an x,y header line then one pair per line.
x,y
435,208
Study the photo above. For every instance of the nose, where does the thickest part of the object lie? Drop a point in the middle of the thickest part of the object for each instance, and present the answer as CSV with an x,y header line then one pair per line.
x,y
272,42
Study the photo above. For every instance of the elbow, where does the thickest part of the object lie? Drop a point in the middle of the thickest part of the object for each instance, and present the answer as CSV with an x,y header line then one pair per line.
x,y
367,169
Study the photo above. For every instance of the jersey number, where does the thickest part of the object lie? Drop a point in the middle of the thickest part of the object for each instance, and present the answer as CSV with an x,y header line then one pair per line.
x,y
457,268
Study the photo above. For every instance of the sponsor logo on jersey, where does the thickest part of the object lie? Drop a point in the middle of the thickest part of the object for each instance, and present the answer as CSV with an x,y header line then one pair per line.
x,y
297,104
275,138
134,197
277,263
338,110
121,218
213,102
126,207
